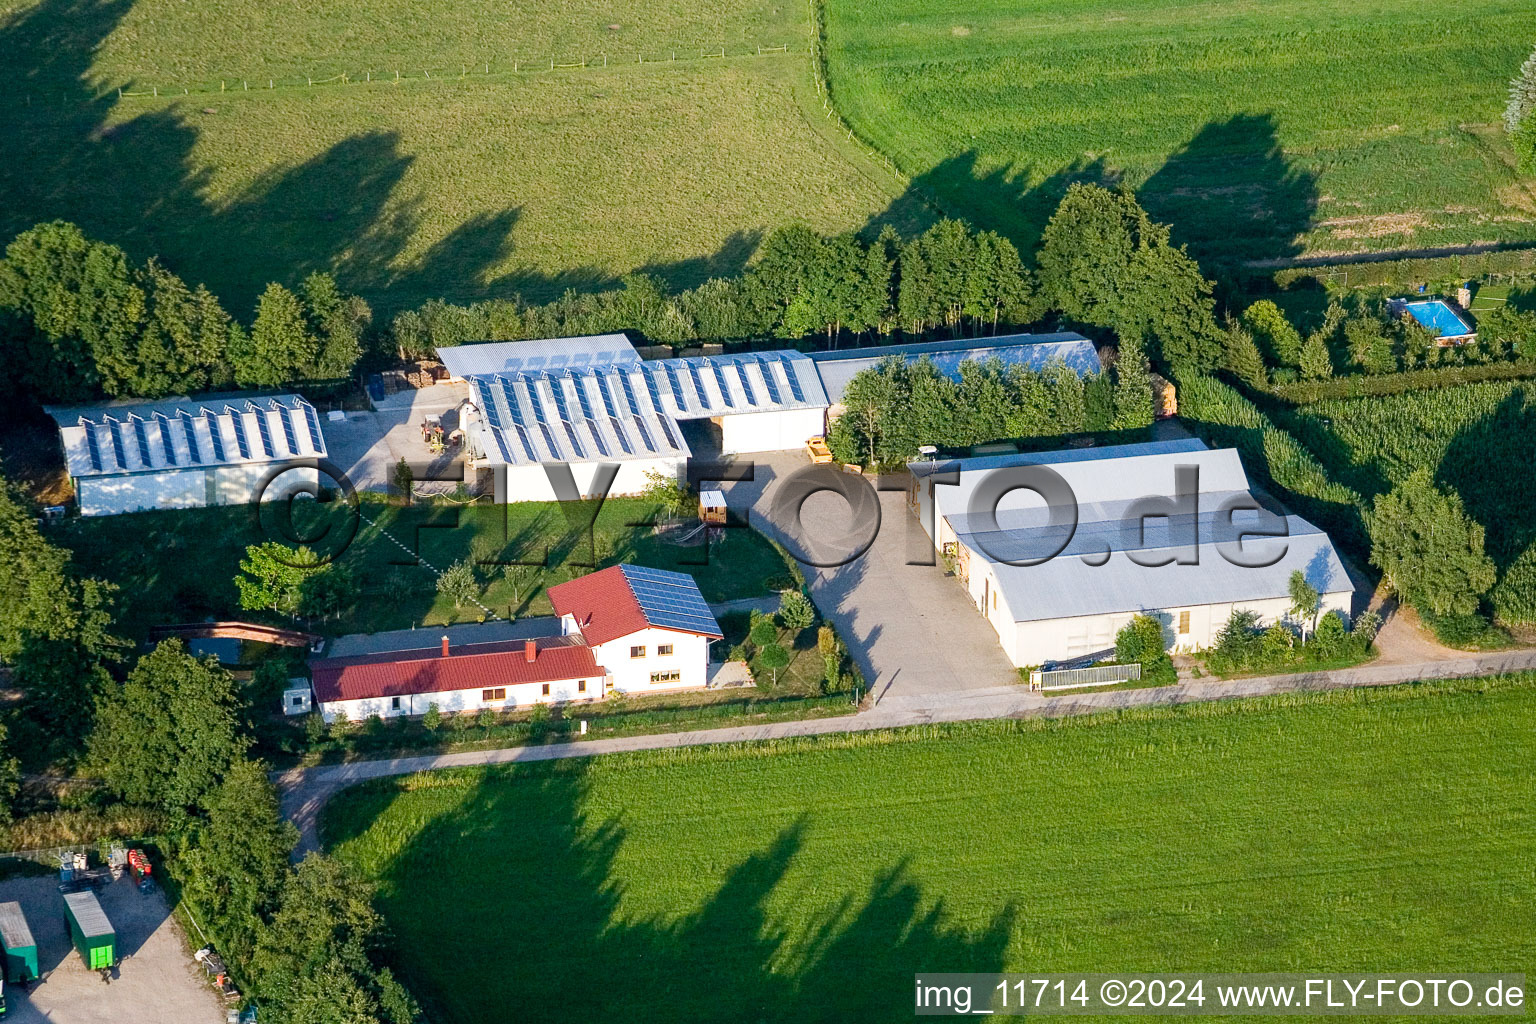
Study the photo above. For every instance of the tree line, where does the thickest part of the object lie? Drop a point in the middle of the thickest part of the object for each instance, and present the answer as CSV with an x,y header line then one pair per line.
x,y
173,733
79,320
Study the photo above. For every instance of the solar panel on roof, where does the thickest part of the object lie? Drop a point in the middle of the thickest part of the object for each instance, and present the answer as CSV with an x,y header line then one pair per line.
x,y
263,428
213,432
315,437
678,393
602,389
570,432
93,448
698,384
645,435
522,440
746,383
618,432
653,388
513,405
185,418
772,385
141,435
670,600
501,443
165,437
725,389
116,430
237,421
284,414
597,437
666,427
487,402
629,393
580,384
794,381
535,401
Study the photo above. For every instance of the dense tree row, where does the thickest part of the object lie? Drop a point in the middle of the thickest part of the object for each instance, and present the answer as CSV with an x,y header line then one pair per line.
x,y
79,320
895,406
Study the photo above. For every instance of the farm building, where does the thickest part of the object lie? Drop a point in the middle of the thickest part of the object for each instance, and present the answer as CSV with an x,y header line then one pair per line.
x,y
1035,351
126,457
648,628
583,402
1057,591
625,628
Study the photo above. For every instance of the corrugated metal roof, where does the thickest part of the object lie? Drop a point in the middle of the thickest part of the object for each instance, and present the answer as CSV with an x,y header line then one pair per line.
x,y
88,915
1103,567
596,350
139,437
14,931
466,668
625,599
1035,351
707,386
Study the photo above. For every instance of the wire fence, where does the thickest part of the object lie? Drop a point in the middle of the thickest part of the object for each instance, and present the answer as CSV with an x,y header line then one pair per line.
x,y
501,68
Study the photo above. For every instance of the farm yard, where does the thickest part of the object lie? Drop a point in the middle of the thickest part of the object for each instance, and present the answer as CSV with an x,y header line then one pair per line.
x,y
179,566
483,180
1259,131
1344,830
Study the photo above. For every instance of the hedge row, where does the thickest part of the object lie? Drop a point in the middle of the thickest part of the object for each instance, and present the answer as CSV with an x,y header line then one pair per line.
x,y
1366,385
1425,269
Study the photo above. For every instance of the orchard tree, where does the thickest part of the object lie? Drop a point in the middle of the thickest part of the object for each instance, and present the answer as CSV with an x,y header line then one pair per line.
x,y
1520,114
458,583
273,576
1429,549
1305,600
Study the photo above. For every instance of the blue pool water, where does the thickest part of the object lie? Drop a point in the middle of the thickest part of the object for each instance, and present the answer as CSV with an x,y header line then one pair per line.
x,y
1438,316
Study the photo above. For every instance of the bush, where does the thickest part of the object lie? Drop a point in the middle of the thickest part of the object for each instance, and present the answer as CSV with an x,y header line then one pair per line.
x,y
1467,632
796,611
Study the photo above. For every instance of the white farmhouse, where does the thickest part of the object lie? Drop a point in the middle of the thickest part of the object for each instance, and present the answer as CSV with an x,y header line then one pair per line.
x,y
1056,591
131,456
648,629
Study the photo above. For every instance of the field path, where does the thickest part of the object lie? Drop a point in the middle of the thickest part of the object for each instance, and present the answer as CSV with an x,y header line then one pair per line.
x,y
305,791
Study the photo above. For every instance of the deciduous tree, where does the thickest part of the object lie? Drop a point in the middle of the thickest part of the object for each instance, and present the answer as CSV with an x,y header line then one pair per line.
x,y
1429,549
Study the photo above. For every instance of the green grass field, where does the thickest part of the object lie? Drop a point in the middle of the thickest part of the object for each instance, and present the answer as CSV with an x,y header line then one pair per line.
x,y
501,182
1259,130
179,566
810,880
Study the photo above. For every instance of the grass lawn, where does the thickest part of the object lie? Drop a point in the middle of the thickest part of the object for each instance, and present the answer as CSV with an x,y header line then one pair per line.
x,y
179,566
1260,131
1365,830
497,183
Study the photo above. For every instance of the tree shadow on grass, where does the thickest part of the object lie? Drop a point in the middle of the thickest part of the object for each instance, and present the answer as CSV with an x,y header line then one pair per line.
x,y
1475,467
512,901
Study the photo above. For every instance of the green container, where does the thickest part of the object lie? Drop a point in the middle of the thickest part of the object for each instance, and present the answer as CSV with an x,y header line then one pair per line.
x,y
20,948
90,930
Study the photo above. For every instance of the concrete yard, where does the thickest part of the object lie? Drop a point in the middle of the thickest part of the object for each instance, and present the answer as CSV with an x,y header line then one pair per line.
x,y
368,444
155,982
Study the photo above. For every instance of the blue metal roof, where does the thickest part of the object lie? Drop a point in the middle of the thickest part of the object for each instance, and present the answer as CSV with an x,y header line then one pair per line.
x,y
670,600
1035,351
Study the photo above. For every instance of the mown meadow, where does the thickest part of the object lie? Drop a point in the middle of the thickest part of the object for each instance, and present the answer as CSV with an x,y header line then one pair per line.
x,y
1260,131
473,176
810,879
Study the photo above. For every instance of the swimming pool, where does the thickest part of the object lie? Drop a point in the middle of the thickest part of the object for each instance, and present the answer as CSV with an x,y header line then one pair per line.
x,y
1437,315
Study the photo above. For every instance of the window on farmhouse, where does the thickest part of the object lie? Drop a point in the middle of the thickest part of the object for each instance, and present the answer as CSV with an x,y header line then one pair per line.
x,y
498,693
298,702
581,686
637,652
666,677
394,703
663,650
545,691
1183,622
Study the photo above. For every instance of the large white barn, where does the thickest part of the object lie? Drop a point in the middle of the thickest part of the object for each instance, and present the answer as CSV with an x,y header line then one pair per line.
x,y
1131,551
131,456
584,402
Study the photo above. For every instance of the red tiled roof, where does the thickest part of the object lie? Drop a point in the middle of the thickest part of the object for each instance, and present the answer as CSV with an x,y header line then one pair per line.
x,y
606,607
603,604
467,667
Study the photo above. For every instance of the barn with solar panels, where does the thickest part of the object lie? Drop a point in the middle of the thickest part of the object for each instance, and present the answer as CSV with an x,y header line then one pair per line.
x,y
129,457
585,402
648,629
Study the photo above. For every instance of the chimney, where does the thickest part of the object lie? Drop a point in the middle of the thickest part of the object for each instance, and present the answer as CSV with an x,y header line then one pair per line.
x,y
445,645
530,650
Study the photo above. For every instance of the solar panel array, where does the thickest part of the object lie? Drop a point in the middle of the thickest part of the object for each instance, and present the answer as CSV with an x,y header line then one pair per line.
x,y
163,436
708,386
670,600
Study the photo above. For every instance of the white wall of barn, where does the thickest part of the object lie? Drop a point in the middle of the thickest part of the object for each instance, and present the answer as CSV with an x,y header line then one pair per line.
x,y
629,674
532,483
783,430
194,487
